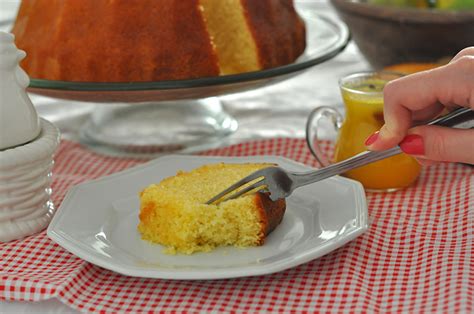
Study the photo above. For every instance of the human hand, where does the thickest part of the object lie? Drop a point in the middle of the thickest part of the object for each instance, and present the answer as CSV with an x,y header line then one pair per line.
x,y
421,97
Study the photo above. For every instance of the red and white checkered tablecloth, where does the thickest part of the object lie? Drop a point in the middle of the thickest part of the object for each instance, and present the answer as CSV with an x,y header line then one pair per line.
x,y
417,256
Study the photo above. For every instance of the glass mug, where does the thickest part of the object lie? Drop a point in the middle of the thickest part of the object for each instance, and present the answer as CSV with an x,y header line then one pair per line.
x,y
362,94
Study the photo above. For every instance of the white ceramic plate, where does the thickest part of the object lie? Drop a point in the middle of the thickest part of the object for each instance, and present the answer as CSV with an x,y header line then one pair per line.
x,y
97,222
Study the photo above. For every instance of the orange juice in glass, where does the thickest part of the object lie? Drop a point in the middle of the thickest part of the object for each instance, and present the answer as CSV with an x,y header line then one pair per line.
x,y
363,100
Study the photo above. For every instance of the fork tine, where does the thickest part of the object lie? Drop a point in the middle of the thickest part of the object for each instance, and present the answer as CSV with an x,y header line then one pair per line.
x,y
247,189
238,184
237,194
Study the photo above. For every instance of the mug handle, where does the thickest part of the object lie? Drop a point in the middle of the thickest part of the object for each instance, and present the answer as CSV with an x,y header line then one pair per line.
x,y
312,126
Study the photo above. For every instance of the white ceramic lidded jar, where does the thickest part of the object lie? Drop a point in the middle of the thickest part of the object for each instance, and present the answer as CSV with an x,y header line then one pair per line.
x,y
27,146
19,121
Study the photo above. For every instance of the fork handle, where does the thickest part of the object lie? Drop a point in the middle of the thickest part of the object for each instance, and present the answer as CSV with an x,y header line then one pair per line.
x,y
452,119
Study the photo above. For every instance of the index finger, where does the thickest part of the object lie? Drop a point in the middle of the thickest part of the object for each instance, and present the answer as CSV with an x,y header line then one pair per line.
x,y
423,92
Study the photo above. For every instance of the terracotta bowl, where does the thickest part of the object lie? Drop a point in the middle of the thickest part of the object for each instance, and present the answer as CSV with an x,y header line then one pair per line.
x,y
389,35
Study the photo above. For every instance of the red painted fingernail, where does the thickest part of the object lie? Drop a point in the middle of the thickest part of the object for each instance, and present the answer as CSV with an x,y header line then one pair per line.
x,y
372,138
413,145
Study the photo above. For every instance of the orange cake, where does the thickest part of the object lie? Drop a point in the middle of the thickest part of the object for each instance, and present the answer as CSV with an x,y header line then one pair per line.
x,y
151,40
173,213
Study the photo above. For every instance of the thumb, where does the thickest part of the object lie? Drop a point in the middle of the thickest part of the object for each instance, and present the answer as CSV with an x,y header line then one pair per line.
x,y
440,144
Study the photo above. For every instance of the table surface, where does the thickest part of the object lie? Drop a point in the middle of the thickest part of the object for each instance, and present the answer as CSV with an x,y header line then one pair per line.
x,y
286,104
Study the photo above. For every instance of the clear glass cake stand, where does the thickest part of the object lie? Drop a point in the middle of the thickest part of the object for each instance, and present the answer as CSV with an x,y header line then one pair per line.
x,y
142,119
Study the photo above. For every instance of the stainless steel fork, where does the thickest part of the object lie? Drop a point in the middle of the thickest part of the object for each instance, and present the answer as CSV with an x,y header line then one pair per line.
x,y
281,183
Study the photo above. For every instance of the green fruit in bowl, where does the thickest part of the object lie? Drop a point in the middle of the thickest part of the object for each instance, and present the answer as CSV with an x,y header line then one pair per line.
x,y
402,3
455,4
398,3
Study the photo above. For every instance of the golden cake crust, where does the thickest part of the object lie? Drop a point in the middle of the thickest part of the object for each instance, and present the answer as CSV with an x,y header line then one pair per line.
x,y
278,31
143,40
127,40
271,213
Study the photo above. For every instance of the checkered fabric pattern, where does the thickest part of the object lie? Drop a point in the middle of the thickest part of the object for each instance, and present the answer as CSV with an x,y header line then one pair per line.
x,y
417,255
